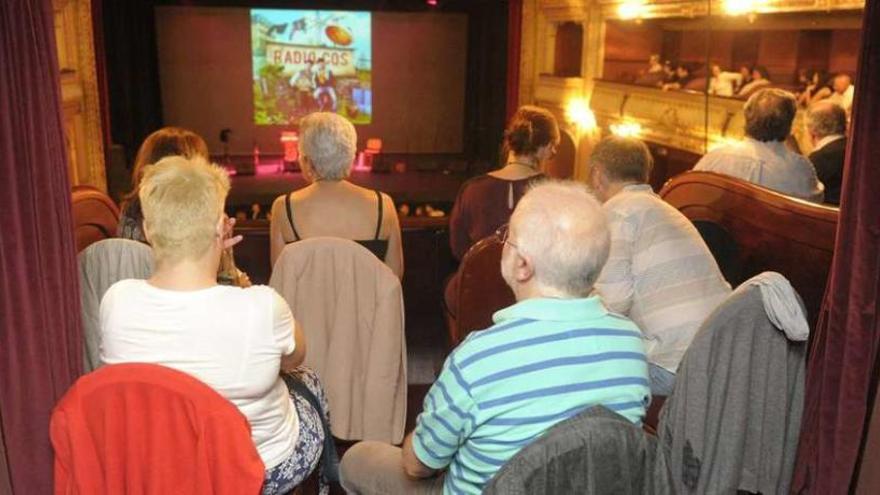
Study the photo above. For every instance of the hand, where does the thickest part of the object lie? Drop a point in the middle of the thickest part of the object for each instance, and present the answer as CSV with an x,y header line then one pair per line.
x,y
228,239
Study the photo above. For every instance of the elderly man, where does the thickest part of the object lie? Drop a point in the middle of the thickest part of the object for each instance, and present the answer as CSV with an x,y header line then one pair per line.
x,y
554,353
826,125
762,157
659,271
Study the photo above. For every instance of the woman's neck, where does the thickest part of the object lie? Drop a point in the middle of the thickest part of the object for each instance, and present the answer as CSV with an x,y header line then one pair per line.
x,y
186,275
518,167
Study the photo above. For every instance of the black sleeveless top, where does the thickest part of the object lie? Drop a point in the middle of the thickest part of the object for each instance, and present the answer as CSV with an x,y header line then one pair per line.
x,y
378,247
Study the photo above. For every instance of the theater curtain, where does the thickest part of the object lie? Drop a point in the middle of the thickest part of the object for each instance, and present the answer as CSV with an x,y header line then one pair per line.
x,y
40,337
514,50
843,360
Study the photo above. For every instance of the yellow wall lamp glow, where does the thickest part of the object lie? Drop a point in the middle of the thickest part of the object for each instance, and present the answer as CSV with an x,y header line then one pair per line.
x,y
578,112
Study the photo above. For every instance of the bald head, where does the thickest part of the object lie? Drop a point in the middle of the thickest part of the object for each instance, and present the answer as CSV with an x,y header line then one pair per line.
x,y
769,113
826,118
560,228
841,83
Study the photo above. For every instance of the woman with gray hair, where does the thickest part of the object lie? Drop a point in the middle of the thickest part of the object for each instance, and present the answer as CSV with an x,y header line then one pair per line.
x,y
331,206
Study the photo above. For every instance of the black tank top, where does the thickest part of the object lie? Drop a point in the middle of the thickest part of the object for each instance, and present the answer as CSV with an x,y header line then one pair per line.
x,y
378,247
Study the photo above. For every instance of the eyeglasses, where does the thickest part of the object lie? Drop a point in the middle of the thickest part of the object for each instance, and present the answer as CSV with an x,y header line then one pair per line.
x,y
503,233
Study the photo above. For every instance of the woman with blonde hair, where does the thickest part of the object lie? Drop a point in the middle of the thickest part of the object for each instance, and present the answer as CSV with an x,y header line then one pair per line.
x,y
331,206
167,141
238,341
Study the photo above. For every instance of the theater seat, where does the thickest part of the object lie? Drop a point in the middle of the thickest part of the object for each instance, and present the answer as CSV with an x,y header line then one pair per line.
x,y
143,428
751,229
481,290
95,216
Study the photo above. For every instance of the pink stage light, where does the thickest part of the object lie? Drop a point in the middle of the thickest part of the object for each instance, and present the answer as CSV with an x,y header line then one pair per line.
x,y
432,3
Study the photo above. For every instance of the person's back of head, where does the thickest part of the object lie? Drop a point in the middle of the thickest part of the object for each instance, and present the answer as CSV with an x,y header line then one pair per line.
x,y
826,118
182,201
769,114
841,82
530,129
558,242
328,143
167,141
618,160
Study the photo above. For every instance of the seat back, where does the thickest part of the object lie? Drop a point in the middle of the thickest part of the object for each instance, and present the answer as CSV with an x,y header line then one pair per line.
x,y
143,428
101,265
350,306
595,452
733,419
95,216
481,289
751,229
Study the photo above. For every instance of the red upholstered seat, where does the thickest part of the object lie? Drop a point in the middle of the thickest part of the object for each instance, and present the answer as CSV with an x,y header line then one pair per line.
x,y
147,429
752,229
95,216
481,289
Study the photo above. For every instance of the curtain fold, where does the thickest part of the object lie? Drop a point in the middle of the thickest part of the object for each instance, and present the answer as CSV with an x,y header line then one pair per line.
x,y
842,363
514,51
40,337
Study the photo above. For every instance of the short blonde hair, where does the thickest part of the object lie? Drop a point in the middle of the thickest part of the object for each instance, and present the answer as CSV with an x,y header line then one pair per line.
x,y
329,141
182,200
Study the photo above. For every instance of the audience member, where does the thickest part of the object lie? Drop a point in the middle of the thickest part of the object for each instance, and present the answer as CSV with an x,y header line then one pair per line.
x,y
654,65
826,125
234,340
682,77
760,78
723,83
659,272
816,82
553,354
745,73
486,202
168,141
762,157
331,206
654,74
841,92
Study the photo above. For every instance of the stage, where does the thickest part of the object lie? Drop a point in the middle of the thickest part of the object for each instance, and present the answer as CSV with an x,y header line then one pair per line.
x,y
436,188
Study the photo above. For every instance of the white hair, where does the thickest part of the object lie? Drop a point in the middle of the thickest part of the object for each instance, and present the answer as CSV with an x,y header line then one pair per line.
x,y
561,227
329,142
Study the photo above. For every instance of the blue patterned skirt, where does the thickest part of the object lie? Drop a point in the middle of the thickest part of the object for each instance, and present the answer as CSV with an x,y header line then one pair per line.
x,y
282,478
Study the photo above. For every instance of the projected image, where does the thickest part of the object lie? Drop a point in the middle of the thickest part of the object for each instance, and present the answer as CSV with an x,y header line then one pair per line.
x,y
311,60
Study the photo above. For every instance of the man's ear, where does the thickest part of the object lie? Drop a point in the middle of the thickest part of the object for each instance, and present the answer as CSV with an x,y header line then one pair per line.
x,y
523,268
220,227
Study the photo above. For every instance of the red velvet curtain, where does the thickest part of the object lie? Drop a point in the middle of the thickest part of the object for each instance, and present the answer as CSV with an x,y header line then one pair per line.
x,y
514,46
40,336
842,364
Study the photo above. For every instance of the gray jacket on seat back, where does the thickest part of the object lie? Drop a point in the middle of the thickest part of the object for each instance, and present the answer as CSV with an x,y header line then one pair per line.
x,y
733,420
596,452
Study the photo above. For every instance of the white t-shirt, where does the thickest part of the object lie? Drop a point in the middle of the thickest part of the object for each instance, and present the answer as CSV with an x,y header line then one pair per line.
x,y
230,338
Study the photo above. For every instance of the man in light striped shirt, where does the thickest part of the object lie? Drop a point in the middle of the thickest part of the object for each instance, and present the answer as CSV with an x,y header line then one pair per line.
x,y
553,354
659,273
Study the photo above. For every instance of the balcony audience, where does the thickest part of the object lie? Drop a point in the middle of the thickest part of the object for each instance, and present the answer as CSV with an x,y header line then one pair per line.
x,y
826,125
683,76
659,272
486,202
745,73
762,157
331,206
760,78
237,341
168,141
554,353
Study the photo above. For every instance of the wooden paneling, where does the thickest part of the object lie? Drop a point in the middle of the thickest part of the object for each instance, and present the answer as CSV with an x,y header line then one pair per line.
x,y
567,55
778,53
845,51
814,49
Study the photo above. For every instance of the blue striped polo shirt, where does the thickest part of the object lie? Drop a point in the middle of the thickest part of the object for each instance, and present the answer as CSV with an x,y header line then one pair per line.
x,y
543,361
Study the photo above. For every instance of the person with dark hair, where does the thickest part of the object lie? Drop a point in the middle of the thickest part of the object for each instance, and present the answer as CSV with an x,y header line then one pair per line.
x,y
826,124
760,79
486,202
659,272
817,83
167,141
682,77
762,157
745,77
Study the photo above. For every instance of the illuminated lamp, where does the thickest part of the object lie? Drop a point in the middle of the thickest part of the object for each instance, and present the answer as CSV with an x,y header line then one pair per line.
x,y
632,9
432,3
626,129
290,142
578,112
741,7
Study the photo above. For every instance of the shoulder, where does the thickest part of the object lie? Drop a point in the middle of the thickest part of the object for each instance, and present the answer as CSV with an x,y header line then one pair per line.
x,y
123,291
